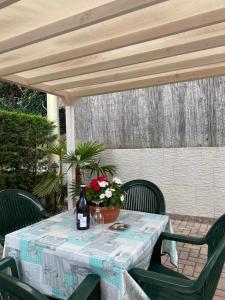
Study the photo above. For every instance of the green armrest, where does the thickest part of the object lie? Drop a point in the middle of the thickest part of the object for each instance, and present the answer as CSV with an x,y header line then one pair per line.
x,y
156,255
13,288
88,289
183,239
184,286
10,263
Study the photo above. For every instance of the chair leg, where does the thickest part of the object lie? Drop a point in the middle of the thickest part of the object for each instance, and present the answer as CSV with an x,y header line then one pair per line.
x,y
156,254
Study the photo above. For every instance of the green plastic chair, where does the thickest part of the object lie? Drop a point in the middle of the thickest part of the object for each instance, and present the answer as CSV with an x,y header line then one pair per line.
x,y
18,209
143,195
11,288
162,283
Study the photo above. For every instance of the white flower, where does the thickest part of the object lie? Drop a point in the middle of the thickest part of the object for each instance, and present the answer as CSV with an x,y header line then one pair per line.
x,y
102,196
108,193
117,180
122,198
103,183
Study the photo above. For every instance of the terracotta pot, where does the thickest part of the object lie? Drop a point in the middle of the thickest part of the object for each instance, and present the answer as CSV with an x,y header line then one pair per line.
x,y
110,214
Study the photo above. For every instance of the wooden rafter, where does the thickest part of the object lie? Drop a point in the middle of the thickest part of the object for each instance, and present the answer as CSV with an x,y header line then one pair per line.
x,y
113,45
87,18
41,87
188,42
147,81
165,20
5,3
179,62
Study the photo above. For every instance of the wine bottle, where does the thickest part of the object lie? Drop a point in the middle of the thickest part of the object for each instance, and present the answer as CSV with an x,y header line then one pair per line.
x,y
83,214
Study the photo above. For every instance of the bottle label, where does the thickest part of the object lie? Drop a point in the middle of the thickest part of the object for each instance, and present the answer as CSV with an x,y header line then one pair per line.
x,y
83,220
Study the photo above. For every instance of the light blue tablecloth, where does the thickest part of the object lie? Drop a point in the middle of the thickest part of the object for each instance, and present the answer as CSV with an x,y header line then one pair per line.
x,y
54,257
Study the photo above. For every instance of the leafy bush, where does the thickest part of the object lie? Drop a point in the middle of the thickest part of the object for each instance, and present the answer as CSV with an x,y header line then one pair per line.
x,y
21,161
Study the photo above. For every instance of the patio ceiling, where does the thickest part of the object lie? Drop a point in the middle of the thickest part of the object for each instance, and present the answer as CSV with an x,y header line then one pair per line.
x,y
79,48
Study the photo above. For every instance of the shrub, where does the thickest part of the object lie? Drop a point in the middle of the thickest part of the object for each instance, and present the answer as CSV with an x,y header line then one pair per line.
x,y
21,161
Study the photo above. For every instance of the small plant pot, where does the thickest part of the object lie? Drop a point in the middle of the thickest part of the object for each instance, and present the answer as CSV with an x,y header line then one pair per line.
x,y
110,214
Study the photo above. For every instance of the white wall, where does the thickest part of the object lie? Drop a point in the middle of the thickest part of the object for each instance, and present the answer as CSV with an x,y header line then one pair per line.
x,y
191,179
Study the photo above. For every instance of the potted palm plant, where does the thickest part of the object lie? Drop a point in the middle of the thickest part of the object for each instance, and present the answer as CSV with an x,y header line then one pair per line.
x,y
53,187
87,162
85,159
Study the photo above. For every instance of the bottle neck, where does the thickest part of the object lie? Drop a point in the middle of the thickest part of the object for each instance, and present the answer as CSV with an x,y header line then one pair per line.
x,y
82,193
82,187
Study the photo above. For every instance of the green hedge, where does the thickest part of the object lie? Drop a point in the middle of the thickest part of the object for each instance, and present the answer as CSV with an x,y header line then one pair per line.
x,y
21,160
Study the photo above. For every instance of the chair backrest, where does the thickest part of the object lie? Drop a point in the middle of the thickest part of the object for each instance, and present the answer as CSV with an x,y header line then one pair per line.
x,y
13,289
18,209
210,275
143,195
215,234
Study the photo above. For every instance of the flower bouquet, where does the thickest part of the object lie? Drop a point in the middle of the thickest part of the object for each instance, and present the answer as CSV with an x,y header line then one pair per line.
x,y
109,194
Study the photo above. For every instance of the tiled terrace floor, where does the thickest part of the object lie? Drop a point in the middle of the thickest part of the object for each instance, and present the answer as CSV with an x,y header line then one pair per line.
x,y
192,258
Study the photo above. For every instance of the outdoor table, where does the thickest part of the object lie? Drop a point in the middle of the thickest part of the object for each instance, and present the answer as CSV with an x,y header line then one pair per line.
x,y
54,257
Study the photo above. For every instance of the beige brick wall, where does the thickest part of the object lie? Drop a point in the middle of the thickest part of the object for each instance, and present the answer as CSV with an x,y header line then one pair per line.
x,y
191,179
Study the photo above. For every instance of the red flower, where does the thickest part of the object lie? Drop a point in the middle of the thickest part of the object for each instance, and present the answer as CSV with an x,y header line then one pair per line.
x,y
94,182
96,188
86,188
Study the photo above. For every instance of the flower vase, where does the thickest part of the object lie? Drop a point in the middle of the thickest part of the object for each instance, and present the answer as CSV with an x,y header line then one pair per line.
x,y
110,214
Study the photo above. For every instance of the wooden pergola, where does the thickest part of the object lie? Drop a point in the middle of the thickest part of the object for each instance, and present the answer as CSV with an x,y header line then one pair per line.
x,y
79,48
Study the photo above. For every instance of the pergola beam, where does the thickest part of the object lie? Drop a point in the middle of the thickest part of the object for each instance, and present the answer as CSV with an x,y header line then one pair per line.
x,y
200,58
5,3
87,18
41,87
168,18
191,41
112,45
147,81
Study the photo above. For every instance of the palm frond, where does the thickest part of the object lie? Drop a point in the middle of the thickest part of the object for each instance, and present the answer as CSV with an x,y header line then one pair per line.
x,y
104,170
74,189
70,158
89,150
107,169
85,154
57,149
50,184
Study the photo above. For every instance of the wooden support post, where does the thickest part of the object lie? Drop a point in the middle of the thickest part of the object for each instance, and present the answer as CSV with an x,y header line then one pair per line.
x,y
52,111
53,116
70,137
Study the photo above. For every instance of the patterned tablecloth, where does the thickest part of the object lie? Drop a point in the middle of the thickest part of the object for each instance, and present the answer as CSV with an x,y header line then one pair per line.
x,y
54,257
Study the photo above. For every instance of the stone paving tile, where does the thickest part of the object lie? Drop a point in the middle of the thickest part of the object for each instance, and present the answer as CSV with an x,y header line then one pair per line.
x,y
192,258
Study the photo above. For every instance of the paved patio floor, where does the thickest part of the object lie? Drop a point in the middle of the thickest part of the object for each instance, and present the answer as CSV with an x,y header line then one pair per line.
x,y
192,258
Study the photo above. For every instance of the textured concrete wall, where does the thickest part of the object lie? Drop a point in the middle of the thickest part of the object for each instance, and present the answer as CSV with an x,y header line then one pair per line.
x,y
191,179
